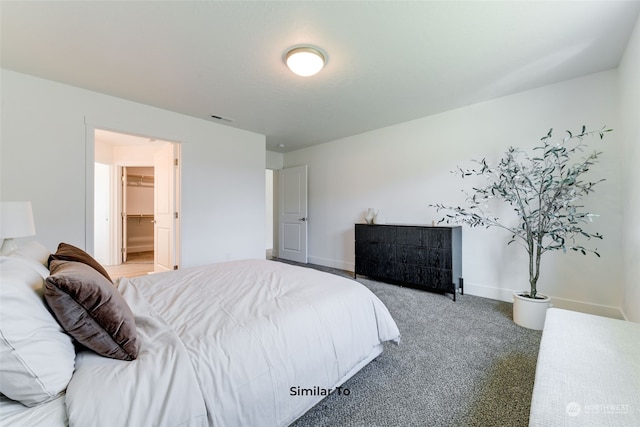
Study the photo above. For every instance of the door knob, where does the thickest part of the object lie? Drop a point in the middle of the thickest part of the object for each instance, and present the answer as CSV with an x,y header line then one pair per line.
x,y
302,219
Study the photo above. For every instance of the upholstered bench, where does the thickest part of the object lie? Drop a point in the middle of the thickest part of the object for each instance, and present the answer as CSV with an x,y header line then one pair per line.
x,y
588,372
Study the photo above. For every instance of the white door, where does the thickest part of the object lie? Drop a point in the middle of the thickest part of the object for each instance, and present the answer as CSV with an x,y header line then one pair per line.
x,y
293,214
165,210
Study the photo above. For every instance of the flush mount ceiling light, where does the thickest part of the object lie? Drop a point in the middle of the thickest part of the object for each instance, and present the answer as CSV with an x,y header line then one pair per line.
x,y
305,61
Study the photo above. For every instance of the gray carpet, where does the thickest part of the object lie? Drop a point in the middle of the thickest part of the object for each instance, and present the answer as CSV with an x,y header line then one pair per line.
x,y
461,363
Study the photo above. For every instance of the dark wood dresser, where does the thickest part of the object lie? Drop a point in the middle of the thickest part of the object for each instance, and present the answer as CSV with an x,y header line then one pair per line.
x,y
418,256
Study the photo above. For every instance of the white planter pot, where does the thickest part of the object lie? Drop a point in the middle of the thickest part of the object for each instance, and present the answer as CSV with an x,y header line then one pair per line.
x,y
530,313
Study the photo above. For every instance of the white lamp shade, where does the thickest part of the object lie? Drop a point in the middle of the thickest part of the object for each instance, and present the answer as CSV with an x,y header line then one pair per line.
x,y
16,220
305,61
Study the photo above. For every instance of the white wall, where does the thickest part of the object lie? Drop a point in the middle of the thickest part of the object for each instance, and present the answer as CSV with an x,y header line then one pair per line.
x,y
630,101
43,159
274,160
402,169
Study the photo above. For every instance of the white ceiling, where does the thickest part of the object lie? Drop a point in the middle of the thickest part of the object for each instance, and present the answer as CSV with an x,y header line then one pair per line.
x,y
389,61
120,139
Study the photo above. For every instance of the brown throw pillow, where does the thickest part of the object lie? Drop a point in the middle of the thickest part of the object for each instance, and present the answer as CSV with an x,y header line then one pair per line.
x,y
91,310
67,252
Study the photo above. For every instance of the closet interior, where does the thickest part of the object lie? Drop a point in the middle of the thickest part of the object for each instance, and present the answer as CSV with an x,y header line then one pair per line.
x,y
138,210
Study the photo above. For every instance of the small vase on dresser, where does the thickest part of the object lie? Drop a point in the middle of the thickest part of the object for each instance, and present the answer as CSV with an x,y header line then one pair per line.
x,y
369,216
379,218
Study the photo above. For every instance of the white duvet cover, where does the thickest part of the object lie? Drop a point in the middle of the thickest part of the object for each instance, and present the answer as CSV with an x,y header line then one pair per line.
x,y
231,344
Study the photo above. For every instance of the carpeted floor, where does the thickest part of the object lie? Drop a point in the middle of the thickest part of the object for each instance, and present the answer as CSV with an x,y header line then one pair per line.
x,y
461,363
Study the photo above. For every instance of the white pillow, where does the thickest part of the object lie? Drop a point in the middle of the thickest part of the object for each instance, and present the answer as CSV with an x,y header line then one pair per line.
x,y
34,250
27,264
38,358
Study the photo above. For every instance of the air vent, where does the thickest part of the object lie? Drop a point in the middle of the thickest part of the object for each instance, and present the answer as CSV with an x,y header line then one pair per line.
x,y
224,119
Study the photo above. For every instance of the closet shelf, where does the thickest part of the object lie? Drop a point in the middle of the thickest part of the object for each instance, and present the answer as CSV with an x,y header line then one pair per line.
x,y
135,180
140,217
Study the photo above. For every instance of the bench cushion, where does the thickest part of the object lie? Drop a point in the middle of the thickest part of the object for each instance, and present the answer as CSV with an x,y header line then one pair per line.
x,y
588,372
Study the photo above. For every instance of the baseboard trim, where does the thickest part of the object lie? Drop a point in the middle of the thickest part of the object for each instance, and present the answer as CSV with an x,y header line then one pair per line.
x,y
501,294
567,304
589,308
347,266
624,315
488,292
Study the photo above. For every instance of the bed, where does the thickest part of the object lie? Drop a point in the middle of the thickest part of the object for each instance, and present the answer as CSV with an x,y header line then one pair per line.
x,y
250,342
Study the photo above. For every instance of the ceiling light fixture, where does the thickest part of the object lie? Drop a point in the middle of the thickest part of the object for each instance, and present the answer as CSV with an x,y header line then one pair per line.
x,y
305,61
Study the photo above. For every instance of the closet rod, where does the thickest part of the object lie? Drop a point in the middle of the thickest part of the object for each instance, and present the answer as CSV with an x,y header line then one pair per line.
x,y
135,175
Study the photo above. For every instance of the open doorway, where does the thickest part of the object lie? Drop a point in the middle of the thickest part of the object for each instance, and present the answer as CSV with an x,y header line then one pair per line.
x,y
136,225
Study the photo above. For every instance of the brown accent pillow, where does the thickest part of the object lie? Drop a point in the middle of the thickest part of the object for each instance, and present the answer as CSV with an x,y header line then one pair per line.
x,y
67,252
91,310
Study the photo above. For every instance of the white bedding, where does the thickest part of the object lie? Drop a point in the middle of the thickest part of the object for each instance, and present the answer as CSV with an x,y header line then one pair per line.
x,y
48,414
224,344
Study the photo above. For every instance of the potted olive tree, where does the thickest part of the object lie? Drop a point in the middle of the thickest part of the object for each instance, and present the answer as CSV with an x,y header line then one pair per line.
x,y
545,189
